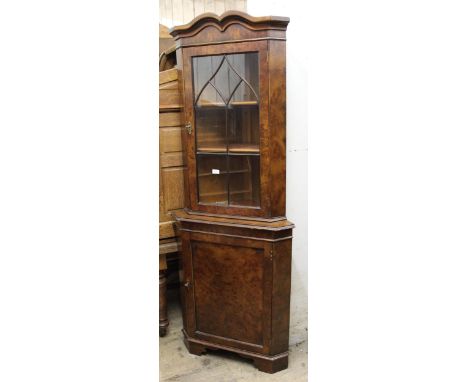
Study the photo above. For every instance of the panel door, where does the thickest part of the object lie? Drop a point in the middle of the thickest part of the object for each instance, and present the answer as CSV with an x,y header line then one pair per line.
x,y
230,291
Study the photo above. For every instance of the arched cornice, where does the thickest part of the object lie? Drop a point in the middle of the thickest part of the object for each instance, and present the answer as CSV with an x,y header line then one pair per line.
x,y
226,19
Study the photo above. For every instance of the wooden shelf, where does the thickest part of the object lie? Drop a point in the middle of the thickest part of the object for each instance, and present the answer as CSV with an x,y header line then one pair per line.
x,y
222,193
233,149
244,148
212,149
207,104
245,171
244,203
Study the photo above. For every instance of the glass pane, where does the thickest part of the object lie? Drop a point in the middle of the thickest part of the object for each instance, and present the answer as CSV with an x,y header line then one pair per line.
x,y
211,129
226,106
203,69
243,95
245,65
244,180
218,80
212,179
243,106
243,129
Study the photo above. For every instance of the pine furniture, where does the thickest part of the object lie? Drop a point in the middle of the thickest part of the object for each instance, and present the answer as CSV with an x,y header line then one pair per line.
x,y
171,167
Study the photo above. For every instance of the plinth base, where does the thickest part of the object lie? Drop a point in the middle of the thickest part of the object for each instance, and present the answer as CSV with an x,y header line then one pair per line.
x,y
264,363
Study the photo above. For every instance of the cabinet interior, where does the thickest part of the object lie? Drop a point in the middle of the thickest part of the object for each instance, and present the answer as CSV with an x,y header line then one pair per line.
x,y
226,105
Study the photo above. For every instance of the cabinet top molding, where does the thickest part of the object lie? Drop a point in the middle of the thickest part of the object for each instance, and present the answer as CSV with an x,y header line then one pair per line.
x,y
227,19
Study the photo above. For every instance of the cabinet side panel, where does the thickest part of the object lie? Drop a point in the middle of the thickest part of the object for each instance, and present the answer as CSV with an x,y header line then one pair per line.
x,y
186,292
277,119
267,296
183,119
281,296
186,63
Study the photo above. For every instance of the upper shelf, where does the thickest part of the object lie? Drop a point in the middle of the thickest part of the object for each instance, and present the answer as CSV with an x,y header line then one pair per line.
x,y
247,149
206,104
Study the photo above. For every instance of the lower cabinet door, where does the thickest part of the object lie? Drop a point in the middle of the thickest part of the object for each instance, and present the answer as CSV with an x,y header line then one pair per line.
x,y
231,291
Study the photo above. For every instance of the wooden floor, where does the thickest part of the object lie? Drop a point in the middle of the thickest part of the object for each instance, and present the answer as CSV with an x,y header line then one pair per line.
x,y
176,364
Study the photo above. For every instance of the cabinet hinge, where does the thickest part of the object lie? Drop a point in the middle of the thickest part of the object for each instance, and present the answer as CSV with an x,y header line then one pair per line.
x,y
188,126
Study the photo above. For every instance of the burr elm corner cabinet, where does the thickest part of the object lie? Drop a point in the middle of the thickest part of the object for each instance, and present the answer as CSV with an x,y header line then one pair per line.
x,y
236,241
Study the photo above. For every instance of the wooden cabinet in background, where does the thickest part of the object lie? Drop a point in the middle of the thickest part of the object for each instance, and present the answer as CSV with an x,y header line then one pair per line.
x,y
171,179
236,241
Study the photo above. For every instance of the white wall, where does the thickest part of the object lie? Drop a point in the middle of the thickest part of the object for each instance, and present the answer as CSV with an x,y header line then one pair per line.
x,y
296,146
177,12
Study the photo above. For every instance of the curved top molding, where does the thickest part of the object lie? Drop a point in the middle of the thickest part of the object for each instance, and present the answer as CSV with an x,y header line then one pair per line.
x,y
275,22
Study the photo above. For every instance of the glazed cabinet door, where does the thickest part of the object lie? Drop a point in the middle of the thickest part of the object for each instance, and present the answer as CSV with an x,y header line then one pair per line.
x,y
228,295
226,109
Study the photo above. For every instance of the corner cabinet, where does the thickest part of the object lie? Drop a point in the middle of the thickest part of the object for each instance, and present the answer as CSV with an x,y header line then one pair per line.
x,y
236,241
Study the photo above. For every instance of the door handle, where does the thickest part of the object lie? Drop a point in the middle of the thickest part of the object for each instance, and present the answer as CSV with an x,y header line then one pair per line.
x,y
187,284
